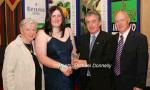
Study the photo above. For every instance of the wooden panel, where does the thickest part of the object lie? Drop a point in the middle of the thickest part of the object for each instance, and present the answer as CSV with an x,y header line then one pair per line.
x,y
145,26
145,18
148,74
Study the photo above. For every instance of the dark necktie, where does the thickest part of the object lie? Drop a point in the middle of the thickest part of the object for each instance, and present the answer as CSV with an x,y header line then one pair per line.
x,y
118,56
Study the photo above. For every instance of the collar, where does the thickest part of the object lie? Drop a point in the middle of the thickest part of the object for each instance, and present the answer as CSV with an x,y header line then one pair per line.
x,y
18,40
96,34
125,34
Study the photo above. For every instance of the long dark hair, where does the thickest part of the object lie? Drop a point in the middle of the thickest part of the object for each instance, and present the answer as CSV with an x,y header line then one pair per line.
x,y
48,25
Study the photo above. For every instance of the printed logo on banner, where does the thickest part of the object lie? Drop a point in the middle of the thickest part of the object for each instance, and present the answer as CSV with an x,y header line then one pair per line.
x,y
35,10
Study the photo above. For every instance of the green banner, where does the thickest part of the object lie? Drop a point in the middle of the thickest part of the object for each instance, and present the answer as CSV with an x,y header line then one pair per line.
x,y
130,6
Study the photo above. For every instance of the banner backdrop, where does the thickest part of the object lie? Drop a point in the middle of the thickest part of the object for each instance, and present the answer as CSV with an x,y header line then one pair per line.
x,y
100,5
131,7
12,4
35,10
69,10
1,1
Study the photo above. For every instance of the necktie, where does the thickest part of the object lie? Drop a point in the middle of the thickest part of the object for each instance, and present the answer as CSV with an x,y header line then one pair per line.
x,y
118,55
93,38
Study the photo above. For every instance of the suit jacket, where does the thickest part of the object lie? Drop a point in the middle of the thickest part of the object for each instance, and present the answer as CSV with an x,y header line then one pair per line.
x,y
101,76
19,68
134,60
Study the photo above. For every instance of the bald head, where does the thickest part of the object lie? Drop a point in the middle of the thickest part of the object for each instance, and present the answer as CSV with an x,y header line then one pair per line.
x,y
122,21
122,13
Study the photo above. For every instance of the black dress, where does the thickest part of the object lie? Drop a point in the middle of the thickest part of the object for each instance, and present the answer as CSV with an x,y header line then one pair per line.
x,y
60,51
38,70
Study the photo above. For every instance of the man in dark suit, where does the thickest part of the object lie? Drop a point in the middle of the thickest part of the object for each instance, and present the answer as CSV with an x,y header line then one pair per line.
x,y
95,56
130,55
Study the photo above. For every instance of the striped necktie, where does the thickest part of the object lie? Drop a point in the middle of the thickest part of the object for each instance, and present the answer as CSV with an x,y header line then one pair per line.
x,y
118,56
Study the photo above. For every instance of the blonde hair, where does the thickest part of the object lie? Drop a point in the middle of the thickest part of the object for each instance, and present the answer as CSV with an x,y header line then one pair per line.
x,y
27,20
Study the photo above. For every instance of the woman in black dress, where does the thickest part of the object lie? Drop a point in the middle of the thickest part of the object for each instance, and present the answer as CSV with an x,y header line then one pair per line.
x,y
54,46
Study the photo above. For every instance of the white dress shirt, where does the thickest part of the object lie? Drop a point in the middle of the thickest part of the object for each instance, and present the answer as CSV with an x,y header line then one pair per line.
x,y
125,34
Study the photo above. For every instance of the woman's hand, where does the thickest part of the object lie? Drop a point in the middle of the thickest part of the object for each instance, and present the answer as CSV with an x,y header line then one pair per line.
x,y
65,69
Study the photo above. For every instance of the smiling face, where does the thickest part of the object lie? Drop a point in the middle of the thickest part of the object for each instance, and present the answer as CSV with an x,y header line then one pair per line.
x,y
122,21
56,18
93,23
28,32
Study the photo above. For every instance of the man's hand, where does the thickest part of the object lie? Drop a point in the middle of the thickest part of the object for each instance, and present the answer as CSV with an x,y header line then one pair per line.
x,y
76,63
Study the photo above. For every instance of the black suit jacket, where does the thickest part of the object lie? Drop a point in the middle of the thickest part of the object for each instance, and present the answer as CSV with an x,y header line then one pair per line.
x,y
134,61
101,76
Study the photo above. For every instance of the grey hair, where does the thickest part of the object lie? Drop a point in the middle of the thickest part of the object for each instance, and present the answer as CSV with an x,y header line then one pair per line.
x,y
27,20
94,12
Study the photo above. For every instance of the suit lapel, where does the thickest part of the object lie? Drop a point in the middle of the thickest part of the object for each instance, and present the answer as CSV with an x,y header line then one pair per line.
x,y
127,42
116,37
87,43
97,42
